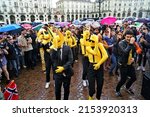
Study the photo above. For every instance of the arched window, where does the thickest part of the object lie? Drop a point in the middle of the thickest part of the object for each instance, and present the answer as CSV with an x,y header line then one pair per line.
x,y
1,18
23,18
41,17
118,15
32,18
62,18
12,19
134,14
140,15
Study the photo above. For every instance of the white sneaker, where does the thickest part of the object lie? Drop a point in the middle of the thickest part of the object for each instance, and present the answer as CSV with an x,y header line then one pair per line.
x,y
139,68
143,69
47,85
84,83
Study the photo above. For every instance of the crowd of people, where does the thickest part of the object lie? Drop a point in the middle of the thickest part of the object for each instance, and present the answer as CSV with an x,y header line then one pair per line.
x,y
114,49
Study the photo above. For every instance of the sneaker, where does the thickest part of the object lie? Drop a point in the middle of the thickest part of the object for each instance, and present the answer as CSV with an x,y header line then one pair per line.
x,y
139,68
47,85
143,69
91,98
76,61
118,94
84,83
24,66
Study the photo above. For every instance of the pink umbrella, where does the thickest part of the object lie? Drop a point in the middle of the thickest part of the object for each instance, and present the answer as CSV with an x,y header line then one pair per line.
x,y
26,26
108,20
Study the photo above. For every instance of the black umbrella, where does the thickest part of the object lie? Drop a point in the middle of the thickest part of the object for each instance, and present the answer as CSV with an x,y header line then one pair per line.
x,y
142,20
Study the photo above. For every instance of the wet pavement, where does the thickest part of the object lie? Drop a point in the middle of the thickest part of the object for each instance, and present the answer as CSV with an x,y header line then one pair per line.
x,y
31,86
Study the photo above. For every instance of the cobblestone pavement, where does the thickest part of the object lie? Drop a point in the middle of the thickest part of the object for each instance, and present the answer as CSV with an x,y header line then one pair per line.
x,y
31,86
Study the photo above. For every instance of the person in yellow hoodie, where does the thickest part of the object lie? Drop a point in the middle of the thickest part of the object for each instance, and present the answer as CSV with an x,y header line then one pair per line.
x,y
85,61
45,37
97,55
71,42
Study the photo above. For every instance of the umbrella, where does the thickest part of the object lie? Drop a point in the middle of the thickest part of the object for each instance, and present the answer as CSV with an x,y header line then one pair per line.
x,y
131,19
9,27
108,20
137,25
38,27
76,22
95,25
86,22
119,22
142,20
62,24
25,22
26,26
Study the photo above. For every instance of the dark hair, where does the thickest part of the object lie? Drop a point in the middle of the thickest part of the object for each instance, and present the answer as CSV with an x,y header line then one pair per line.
x,y
128,32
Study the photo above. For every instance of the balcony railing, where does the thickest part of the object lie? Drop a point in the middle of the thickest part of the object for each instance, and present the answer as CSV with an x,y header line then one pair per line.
x,y
11,12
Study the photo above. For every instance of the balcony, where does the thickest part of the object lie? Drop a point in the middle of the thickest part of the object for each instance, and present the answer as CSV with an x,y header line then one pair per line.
x,y
11,12
4,5
1,12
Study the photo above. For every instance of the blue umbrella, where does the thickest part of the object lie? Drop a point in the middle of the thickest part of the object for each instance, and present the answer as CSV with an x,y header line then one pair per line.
x,y
9,27
76,22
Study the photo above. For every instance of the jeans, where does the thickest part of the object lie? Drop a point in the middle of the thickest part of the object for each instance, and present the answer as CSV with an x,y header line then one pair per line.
x,y
114,63
13,66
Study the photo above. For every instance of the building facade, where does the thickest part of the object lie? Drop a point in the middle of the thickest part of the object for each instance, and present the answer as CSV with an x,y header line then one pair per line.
x,y
125,8
69,10
15,11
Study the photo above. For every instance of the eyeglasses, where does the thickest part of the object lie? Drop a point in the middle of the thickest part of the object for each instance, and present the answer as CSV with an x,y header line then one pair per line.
x,y
91,41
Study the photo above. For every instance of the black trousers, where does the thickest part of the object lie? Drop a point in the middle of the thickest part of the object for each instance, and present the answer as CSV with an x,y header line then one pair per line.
x,y
28,59
59,81
85,64
126,71
48,65
95,75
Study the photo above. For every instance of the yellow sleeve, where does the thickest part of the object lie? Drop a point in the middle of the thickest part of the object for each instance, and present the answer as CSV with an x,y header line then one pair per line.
x,y
104,54
90,50
74,42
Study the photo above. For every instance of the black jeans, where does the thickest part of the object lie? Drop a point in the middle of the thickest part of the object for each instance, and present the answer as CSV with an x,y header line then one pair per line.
x,y
126,71
95,75
85,64
59,81
141,58
48,63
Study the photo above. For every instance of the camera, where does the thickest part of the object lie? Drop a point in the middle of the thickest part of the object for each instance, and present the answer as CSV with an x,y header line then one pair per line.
x,y
27,36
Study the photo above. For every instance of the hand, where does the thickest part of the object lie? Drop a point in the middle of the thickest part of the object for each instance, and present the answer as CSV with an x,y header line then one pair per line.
x,y
59,69
96,66
132,60
132,40
48,50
